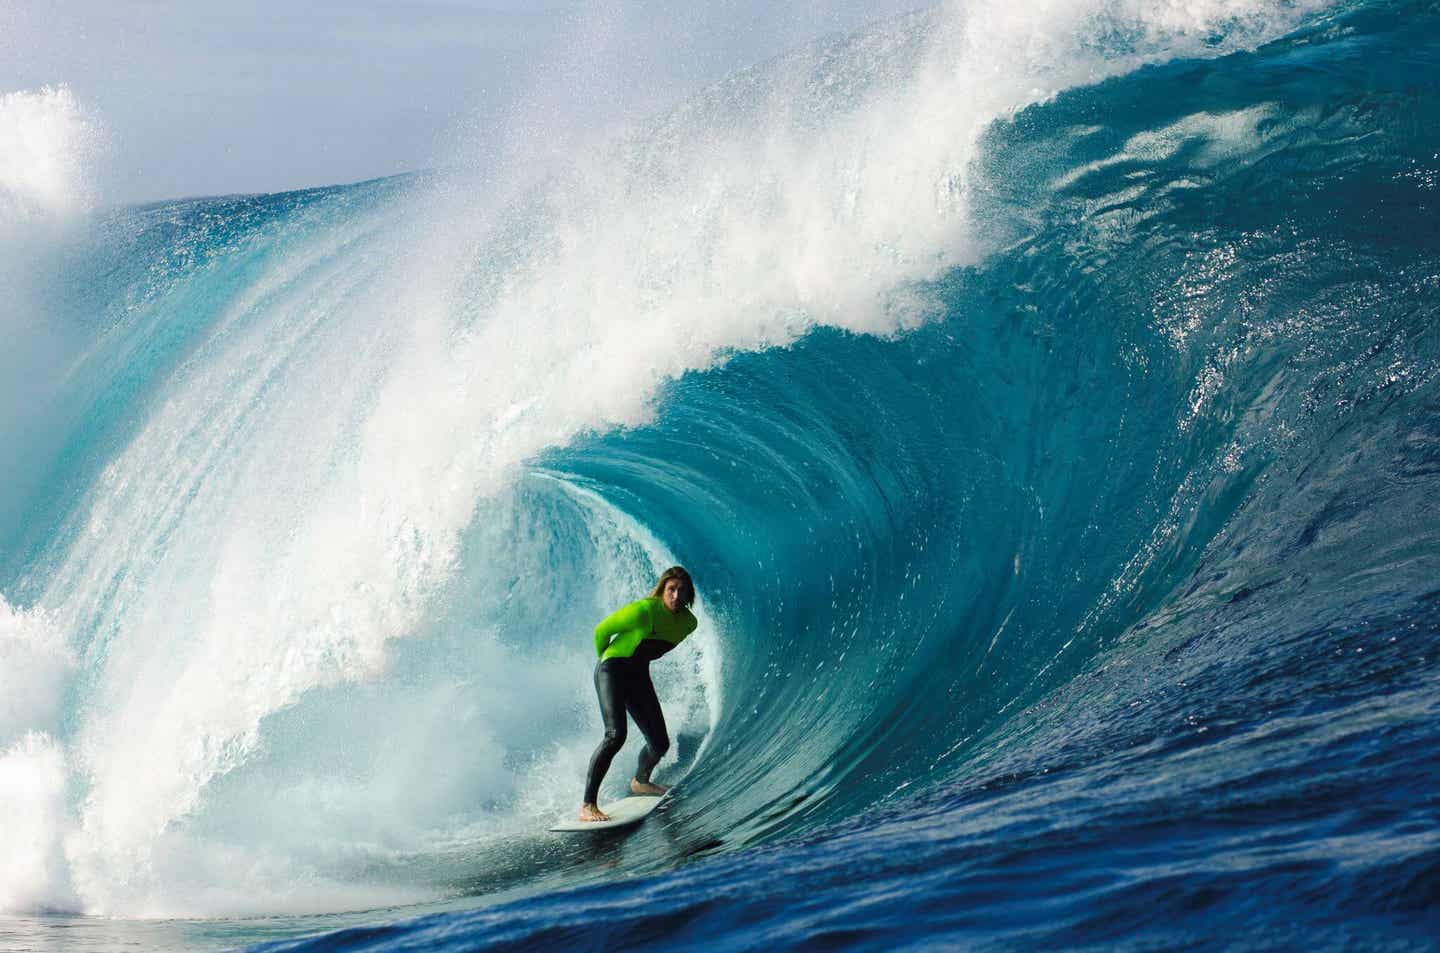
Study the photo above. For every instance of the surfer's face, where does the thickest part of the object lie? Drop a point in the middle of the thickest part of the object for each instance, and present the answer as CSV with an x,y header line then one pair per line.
x,y
673,595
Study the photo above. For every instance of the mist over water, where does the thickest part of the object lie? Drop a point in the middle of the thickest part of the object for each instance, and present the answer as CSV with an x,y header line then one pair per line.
x,y
964,360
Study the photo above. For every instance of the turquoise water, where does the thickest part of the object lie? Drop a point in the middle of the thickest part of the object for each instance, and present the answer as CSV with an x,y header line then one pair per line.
x,y
1050,424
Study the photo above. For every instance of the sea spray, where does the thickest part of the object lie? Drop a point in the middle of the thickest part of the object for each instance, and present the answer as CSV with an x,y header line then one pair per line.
x,y
49,149
35,666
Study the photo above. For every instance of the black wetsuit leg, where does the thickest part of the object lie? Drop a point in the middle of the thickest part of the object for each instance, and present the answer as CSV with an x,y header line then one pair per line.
x,y
644,707
621,685
610,688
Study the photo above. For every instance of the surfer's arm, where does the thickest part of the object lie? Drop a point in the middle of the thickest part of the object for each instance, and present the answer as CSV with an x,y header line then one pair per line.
x,y
633,616
690,625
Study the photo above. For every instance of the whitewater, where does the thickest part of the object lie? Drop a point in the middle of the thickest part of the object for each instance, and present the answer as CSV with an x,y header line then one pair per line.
x,y
1045,398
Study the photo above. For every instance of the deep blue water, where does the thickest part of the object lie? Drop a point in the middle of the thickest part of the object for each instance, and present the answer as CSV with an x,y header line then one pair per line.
x,y
1090,597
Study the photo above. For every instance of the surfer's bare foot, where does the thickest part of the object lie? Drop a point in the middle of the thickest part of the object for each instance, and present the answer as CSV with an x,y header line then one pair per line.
x,y
592,812
645,787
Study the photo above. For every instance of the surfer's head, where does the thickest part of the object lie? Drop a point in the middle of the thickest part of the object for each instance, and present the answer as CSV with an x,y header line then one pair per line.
x,y
676,589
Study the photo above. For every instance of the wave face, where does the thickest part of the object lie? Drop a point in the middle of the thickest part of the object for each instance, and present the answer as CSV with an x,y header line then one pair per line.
x,y
1044,400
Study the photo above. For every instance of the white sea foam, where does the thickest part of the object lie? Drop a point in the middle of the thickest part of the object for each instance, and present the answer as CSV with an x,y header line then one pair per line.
x,y
299,499
34,667
48,150
33,823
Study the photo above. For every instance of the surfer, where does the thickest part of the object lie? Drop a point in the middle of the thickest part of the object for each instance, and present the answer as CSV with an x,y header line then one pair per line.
x,y
627,641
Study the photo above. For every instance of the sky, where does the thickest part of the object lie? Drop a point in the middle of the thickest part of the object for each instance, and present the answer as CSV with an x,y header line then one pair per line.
x,y
200,98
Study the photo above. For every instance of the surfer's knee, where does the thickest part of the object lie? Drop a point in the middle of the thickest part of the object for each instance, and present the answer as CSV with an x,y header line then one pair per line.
x,y
614,738
658,746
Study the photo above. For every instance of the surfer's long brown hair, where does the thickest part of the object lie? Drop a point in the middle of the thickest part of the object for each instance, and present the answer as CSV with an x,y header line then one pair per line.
x,y
687,594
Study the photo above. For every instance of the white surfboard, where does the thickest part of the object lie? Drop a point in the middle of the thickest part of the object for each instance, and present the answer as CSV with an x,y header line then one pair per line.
x,y
623,813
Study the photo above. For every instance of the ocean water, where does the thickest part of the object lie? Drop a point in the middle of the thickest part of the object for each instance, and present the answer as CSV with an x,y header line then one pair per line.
x,y
1045,398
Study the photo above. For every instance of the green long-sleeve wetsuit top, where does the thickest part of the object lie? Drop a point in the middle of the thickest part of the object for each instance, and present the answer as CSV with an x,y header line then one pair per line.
x,y
644,629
